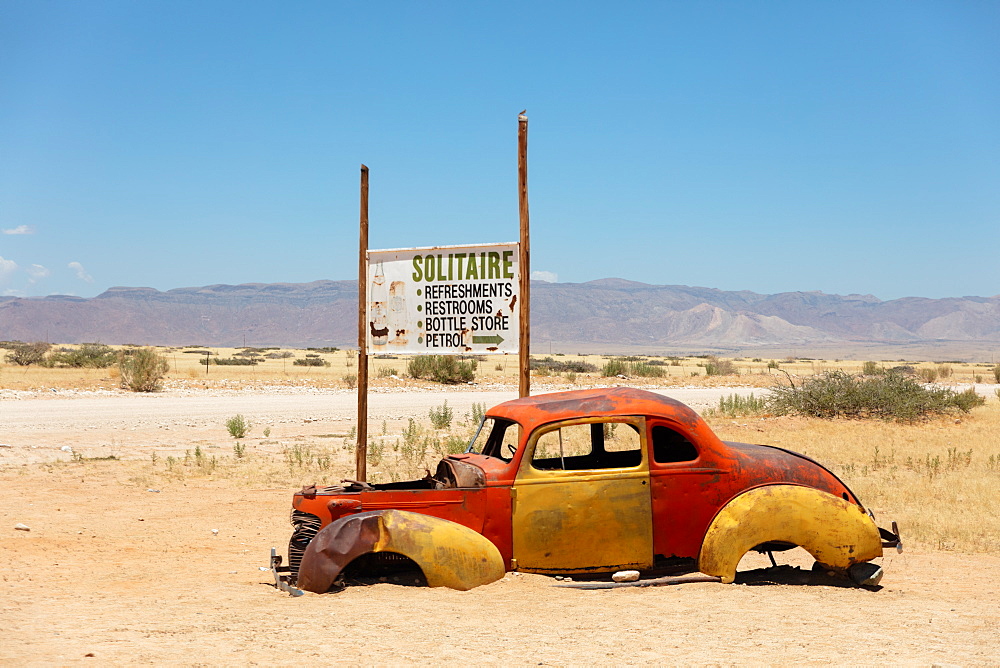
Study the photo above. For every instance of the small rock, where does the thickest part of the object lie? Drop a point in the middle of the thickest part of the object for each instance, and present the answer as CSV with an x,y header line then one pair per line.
x,y
66,448
625,576
22,527
156,491
215,532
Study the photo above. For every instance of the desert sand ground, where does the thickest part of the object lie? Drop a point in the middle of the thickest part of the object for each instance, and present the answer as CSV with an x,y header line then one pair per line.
x,y
123,567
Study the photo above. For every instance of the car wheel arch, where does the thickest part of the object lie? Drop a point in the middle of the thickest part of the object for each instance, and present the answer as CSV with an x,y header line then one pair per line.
x,y
447,553
836,532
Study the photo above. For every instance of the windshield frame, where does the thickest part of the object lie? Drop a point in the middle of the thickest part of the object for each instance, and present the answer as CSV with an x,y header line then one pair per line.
x,y
493,442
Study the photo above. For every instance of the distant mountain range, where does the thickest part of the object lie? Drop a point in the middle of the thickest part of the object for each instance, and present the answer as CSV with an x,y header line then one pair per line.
x,y
608,315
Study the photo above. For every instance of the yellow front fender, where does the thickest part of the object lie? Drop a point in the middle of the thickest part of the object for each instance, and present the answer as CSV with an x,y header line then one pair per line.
x,y
449,554
835,532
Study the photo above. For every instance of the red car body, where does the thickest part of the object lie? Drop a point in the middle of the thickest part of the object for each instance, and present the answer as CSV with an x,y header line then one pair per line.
x,y
630,508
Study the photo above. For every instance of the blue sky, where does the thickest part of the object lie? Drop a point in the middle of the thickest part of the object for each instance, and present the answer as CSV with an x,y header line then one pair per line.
x,y
847,147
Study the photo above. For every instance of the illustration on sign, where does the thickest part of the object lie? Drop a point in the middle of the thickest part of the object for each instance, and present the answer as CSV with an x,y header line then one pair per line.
x,y
443,300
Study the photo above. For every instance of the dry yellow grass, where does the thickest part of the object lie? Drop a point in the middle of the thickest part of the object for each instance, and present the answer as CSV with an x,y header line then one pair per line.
x,y
186,369
938,479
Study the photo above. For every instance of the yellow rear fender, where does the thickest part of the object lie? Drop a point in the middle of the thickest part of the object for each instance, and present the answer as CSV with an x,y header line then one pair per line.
x,y
835,532
449,554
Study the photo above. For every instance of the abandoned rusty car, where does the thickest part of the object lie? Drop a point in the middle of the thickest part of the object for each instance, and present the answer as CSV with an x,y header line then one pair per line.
x,y
579,483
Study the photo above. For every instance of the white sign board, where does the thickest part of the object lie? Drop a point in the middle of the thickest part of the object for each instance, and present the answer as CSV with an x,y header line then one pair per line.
x,y
443,300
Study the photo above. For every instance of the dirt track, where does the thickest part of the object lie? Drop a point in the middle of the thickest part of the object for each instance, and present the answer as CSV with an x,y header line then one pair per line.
x,y
135,576
38,425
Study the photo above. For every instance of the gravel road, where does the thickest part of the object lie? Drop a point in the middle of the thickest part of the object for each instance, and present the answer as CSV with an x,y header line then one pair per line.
x,y
84,412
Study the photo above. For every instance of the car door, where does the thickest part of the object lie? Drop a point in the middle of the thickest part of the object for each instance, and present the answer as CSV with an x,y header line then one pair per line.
x,y
581,499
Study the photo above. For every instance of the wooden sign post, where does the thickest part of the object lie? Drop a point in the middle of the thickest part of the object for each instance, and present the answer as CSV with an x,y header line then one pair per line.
x,y
524,352
476,267
361,451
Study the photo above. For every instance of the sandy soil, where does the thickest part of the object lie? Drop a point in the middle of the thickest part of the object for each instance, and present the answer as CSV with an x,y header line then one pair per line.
x,y
113,573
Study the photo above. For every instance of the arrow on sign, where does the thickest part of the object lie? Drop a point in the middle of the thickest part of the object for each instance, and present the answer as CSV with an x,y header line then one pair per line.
x,y
496,339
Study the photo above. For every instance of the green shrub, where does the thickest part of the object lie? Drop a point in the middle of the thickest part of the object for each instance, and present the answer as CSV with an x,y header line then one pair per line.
x,y
442,369
716,367
871,369
478,412
634,368
25,354
559,366
996,373
88,355
889,396
441,416
772,364
646,370
311,361
238,426
230,361
615,367
735,405
142,369
928,375
968,399
351,379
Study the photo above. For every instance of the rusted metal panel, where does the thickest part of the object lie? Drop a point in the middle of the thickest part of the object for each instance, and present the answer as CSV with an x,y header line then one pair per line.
x,y
449,554
583,525
837,533
582,520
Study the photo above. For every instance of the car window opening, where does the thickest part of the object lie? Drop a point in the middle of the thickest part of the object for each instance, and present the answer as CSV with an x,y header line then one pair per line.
x,y
594,445
671,446
496,438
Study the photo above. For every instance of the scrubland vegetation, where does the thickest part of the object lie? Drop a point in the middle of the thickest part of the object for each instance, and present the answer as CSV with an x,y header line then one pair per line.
x,y
937,478
923,454
94,365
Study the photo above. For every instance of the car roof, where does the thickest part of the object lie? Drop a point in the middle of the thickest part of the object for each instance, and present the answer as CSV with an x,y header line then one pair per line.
x,y
602,402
